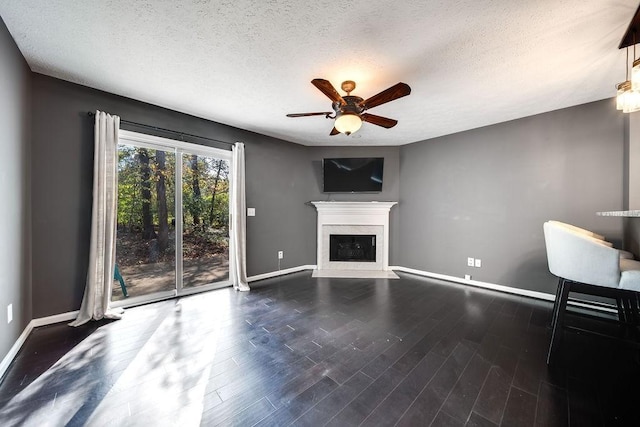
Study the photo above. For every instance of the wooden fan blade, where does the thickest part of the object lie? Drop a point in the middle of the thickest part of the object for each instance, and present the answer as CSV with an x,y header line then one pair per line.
x,y
394,92
334,131
379,120
327,88
308,114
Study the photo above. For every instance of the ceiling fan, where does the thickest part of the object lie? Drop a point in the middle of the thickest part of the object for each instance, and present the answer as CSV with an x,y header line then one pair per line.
x,y
349,111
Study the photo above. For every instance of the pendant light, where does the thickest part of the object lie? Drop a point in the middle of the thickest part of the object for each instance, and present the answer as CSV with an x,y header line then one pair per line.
x,y
623,89
627,98
635,74
635,67
628,92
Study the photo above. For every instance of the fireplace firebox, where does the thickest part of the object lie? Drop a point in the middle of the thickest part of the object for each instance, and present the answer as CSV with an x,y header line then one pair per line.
x,y
352,248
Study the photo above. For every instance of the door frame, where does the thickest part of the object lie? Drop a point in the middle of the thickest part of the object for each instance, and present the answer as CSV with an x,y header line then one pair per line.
x,y
178,148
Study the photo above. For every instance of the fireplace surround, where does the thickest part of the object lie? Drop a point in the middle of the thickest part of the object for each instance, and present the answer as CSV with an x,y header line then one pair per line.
x,y
369,219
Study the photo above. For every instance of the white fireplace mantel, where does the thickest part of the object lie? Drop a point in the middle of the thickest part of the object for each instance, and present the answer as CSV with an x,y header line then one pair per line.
x,y
370,217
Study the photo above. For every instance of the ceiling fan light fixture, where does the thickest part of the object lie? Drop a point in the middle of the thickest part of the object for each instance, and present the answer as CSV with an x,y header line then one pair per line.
x,y
350,110
348,123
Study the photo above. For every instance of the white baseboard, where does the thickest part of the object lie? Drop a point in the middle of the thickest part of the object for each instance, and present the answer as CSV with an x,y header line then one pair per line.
x,y
56,318
507,289
34,323
280,272
486,285
4,365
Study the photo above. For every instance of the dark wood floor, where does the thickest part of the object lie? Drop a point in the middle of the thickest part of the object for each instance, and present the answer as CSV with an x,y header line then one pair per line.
x,y
310,352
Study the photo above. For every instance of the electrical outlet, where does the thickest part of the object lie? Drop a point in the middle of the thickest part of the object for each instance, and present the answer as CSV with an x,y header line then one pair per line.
x,y
251,211
470,262
9,313
280,254
478,262
467,277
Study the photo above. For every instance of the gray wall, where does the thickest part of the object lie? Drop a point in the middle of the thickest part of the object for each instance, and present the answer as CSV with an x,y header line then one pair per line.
x,y
632,181
15,125
485,193
482,193
278,185
390,185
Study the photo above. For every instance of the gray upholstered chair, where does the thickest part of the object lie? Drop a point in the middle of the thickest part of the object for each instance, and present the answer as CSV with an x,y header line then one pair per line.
x,y
578,229
587,265
602,239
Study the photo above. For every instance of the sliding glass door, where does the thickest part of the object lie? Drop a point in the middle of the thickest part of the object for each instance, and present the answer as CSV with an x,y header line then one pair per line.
x,y
173,219
205,225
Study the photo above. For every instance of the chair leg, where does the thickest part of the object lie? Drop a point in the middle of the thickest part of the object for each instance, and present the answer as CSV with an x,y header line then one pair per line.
x,y
632,316
119,278
621,312
633,310
623,315
558,320
629,312
636,310
555,302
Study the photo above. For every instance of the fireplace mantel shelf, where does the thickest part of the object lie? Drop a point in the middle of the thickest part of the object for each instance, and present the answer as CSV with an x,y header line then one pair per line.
x,y
353,206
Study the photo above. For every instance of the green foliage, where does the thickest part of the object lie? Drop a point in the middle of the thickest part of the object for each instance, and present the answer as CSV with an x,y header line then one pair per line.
x,y
212,176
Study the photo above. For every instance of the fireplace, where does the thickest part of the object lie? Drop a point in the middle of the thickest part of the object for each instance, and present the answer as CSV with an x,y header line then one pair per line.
x,y
353,236
352,247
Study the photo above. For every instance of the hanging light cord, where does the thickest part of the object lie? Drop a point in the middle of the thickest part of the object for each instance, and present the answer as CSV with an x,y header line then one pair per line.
x,y
626,68
634,51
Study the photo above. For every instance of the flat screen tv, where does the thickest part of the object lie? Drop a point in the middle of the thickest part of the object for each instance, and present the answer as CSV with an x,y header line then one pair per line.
x,y
352,175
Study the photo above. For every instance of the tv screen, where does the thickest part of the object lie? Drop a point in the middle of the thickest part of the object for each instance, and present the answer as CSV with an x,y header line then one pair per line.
x,y
353,175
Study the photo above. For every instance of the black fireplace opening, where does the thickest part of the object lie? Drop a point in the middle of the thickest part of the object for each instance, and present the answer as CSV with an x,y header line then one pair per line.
x,y
354,248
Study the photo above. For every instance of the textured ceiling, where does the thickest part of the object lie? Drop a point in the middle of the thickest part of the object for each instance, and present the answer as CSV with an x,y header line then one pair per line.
x,y
470,63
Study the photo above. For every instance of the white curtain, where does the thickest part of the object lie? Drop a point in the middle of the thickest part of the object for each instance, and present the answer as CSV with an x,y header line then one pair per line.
x,y
238,269
102,252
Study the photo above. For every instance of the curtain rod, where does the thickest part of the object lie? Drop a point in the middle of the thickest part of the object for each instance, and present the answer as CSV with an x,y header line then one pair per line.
x,y
92,114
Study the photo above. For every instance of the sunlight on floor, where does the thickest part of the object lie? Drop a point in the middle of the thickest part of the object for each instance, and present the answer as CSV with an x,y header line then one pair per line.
x,y
96,371
73,368
164,388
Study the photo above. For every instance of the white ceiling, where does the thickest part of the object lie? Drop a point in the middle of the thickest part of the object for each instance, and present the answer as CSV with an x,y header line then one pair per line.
x,y
470,63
